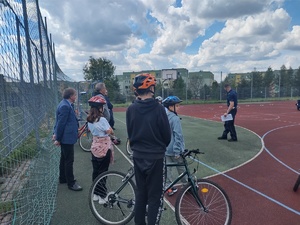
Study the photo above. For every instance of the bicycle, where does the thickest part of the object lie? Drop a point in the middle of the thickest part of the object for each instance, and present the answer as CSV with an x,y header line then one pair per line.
x,y
200,201
128,149
295,188
85,137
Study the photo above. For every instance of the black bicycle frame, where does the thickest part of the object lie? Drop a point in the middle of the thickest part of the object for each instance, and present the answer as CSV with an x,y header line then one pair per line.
x,y
190,179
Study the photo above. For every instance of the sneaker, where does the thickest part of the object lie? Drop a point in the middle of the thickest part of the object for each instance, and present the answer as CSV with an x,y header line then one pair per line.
x,y
96,197
171,191
222,138
232,140
101,201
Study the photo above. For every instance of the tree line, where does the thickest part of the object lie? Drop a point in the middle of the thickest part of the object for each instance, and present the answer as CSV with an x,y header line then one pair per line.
x,y
267,84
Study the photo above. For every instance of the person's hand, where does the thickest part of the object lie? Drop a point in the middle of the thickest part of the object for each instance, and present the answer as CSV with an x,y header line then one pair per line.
x,y
53,137
225,114
177,156
57,143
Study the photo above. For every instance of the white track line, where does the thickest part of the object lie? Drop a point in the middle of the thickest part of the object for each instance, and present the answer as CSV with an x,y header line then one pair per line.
x,y
250,188
267,150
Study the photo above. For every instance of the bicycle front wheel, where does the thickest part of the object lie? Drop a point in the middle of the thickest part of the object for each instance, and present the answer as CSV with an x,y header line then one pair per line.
x,y
117,198
217,209
85,141
296,184
128,149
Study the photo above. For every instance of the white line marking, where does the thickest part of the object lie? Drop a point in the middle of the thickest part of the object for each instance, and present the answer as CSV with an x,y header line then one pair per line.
x,y
250,188
267,150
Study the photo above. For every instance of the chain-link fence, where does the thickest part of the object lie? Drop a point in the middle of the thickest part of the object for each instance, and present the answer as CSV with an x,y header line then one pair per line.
x,y
31,83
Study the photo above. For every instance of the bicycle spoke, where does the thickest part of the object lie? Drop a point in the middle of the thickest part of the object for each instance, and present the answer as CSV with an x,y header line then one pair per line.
x,y
119,206
217,209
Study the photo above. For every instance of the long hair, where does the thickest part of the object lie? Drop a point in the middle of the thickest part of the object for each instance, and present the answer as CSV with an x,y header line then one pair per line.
x,y
95,114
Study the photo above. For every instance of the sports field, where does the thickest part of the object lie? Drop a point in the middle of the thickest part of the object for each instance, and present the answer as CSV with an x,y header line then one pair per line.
x,y
261,167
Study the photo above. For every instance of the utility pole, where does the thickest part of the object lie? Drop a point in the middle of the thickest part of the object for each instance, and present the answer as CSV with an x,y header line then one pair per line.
x,y
221,87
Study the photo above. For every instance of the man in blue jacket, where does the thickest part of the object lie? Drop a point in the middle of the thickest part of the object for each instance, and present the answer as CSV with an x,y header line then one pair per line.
x,y
65,136
149,134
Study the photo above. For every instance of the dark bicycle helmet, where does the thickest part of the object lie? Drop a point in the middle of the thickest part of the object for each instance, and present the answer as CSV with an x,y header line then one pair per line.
x,y
144,81
171,100
96,101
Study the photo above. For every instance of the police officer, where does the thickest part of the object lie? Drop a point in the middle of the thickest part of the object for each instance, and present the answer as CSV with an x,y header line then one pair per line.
x,y
232,103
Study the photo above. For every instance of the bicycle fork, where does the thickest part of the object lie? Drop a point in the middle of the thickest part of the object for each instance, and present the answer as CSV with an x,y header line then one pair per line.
x,y
195,188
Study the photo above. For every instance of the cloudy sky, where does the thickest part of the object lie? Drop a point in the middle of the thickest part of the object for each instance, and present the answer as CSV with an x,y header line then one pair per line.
x,y
210,35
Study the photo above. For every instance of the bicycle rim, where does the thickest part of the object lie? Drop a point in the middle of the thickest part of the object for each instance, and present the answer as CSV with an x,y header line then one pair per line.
x,y
128,149
218,207
296,186
119,207
85,141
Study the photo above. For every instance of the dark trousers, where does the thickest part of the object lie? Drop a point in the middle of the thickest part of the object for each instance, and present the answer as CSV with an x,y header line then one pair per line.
x,y
111,120
149,176
229,126
66,164
100,165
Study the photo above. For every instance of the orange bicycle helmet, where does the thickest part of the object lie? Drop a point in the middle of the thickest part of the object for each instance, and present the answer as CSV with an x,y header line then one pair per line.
x,y
144,81
96,101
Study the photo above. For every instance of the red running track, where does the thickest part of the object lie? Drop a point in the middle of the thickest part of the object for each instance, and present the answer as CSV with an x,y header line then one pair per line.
x,y
261,190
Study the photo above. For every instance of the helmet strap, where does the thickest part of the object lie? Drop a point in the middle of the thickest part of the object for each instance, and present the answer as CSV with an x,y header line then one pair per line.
x,y
174,110
153,92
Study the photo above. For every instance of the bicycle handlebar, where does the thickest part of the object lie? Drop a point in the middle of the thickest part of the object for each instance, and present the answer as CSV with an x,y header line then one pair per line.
x,y
188,152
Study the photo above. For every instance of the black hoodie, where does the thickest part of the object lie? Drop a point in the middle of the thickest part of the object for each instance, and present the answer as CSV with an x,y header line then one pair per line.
x,y
148,129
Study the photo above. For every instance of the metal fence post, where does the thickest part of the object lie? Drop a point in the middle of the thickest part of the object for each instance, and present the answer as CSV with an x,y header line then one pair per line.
x,y
4,117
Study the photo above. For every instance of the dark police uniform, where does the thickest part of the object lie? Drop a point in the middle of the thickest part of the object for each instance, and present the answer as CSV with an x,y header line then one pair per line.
x,y
229,125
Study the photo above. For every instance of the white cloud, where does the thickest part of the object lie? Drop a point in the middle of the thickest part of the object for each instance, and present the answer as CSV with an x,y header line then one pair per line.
x,y
256,34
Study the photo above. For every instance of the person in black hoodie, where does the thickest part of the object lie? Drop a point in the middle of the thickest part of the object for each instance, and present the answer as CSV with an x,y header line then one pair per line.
x,y
149,134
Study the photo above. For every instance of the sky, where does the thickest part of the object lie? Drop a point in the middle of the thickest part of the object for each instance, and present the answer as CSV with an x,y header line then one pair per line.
x,y
227,36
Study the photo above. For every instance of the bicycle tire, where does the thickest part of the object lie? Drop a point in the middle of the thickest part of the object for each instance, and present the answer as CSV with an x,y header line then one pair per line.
x,y
85,140
128,149
213,197
119,207
296,186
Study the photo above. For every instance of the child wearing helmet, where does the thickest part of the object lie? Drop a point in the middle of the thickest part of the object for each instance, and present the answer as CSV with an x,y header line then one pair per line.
x,y
176,146
149,134
102,148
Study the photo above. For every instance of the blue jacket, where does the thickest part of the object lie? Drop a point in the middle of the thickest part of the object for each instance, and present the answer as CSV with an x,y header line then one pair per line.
x,y
176,145
66,124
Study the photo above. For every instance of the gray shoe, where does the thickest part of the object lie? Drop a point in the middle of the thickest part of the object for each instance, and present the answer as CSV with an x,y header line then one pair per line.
x,y
75,187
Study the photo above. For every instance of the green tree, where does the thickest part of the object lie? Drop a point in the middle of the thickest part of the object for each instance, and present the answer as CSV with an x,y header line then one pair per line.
x,y
268,78
257,80
113,87
296,82
100,69
195,84
215,90
179,88
244,88
283,81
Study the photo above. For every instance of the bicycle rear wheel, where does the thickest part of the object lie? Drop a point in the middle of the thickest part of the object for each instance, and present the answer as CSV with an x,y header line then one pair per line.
x,y
120,198
296,186
85,140
128,149
215,200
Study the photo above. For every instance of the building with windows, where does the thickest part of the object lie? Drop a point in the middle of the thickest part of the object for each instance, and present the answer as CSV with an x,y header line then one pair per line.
x,y
164,77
